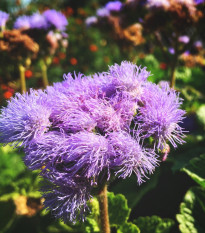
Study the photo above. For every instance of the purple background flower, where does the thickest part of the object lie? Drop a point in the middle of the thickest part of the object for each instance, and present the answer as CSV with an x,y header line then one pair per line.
x,y
3,18
114,6
56,19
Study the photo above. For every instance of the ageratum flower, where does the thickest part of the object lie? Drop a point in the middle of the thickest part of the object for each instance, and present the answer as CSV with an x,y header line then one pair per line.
x,y
56,19
38,21
91,21
128,156
88,155
46,151
66,198
67,113
22,22
84,129
84,154
184,39
3,18
128,78
197,2
26,117
114,6
102,12
159,115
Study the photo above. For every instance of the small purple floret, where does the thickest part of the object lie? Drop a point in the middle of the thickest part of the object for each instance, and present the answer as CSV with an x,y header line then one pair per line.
x,y
22,22
103,12
184,39
56,19
114,6
38,21
3,18
91,21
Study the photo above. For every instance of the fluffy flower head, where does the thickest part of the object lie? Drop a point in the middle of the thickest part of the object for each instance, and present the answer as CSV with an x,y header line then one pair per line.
x,y
113,6
160,115
56,19
81,131
3,18
25,118
38,21
128,156
103,12
22,22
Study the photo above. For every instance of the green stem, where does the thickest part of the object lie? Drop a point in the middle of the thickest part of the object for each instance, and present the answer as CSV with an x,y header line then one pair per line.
x,y
104,216
173,69
22,78
44,74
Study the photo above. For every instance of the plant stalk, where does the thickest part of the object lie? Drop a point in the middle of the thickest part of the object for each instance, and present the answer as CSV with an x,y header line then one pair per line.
x,y
173,69
44,74
22,78
104,216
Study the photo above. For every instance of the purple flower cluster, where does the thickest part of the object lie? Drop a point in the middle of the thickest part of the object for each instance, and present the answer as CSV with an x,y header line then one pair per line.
x,y
88,128
113,6
48,20
3,18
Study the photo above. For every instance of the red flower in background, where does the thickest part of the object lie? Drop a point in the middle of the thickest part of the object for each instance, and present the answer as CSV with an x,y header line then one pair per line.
x,y
69,11
163,66
93,48
8,94
62,55
73,61
56,60
4,87
28,74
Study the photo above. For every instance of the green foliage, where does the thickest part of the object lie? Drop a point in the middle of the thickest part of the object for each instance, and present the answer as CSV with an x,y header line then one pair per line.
x,y
91,224
153,65
11,165
201,115
192,211
196,169
118,209
128,227
154,224
118,215
183,73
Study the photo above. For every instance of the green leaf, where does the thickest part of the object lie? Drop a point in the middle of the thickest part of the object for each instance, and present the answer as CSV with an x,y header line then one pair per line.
x,y
91,222
183,73
91,226
9,196
118,209
201,115
128,227
192,211
154,224
11,165
196,169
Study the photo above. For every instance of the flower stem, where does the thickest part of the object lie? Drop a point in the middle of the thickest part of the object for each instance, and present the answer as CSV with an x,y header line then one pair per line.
x,y
22,78
104,216
172,76
44,74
